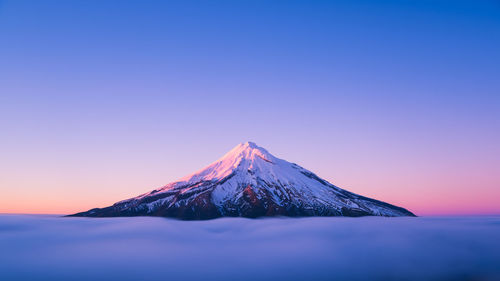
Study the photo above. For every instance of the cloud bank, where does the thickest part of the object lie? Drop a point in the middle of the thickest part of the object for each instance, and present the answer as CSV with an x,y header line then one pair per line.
x,y
143,248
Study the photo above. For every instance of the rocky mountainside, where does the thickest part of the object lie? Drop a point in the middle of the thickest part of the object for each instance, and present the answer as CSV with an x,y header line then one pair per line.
x,y
249,182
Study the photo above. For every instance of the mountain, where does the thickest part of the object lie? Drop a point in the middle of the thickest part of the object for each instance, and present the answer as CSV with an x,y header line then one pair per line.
x,y
249,182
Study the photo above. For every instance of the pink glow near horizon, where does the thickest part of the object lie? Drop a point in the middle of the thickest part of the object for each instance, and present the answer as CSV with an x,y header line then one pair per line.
x,y
428,192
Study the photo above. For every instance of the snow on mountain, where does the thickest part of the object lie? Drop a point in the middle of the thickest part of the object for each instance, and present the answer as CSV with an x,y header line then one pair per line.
x,y
249,182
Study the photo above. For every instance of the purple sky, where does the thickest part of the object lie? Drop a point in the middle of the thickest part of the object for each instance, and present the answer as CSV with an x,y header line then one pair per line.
x,y
396,100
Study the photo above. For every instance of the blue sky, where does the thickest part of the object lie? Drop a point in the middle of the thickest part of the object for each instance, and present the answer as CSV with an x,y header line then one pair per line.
x,y
399,100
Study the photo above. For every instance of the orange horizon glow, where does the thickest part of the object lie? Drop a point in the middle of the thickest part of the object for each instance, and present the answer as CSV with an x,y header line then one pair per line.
x,y
462,206
429,192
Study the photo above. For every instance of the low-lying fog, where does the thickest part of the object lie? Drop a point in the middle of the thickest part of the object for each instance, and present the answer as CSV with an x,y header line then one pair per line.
x,y
34,247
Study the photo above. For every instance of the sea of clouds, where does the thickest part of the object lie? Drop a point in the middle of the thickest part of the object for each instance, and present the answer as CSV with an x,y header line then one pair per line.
x,y
35,247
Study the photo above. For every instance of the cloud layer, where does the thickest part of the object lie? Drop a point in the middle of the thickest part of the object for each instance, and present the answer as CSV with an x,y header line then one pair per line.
x,y
371,248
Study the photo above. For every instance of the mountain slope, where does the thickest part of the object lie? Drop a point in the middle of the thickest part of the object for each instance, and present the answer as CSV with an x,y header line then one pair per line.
x,y
249,182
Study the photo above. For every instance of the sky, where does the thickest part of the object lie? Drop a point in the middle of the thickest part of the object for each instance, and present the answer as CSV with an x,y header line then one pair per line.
x,y
105,100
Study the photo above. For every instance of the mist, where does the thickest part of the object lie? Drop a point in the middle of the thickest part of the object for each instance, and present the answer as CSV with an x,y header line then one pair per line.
x,y
39,247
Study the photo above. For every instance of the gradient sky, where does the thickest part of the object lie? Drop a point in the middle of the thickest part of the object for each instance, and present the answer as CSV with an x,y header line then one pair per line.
x,y
104,100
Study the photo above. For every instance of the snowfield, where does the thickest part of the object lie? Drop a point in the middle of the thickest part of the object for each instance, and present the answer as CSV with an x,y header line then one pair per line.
x,y
35,247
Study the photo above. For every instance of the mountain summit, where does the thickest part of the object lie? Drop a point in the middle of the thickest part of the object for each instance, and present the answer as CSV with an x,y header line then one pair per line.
x,y
249,182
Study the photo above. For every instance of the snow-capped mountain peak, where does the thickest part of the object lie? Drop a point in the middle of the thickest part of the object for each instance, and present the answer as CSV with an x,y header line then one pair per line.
x,y
249,181
245,155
